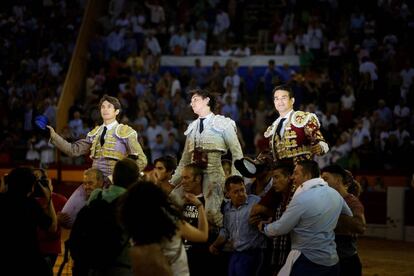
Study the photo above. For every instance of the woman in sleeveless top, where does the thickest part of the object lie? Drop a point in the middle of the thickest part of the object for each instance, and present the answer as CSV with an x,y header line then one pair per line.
x,y
157,227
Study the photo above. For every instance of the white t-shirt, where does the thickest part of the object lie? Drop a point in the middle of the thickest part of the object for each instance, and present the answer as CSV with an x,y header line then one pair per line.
x,y
176,85
401,111
197,47
348,101
332,120
407,77
234,81
369,67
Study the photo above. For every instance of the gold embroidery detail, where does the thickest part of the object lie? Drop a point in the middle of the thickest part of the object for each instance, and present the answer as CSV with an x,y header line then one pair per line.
x,y
94,131
124,131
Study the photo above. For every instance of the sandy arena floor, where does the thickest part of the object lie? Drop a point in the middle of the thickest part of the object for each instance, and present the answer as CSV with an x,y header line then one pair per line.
x,y
386,258
379,258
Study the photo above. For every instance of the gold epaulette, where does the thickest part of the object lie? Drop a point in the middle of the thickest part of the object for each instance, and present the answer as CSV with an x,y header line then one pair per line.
x,y
124,131
301,118
94,131
269,131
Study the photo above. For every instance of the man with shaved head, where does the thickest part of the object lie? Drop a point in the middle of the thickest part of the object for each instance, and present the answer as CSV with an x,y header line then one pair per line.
x,y
92,179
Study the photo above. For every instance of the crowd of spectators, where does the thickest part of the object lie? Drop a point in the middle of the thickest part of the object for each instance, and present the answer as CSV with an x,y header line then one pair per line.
x,y
37,41
355,73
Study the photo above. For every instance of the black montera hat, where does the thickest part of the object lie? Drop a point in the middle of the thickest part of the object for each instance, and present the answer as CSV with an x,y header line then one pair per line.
x,y
248,167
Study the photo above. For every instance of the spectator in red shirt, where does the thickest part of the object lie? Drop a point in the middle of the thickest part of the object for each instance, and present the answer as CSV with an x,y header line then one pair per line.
x,y
49,242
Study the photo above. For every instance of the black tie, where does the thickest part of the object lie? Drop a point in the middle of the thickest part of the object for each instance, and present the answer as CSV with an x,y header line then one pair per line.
x,y
102,140
201,125
279,127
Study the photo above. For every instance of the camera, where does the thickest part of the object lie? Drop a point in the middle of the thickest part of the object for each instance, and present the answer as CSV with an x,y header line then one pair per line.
x,y
42,180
